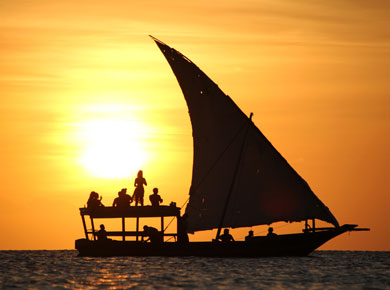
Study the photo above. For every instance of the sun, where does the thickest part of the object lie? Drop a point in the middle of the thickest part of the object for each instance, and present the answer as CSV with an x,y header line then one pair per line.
x,y
113,148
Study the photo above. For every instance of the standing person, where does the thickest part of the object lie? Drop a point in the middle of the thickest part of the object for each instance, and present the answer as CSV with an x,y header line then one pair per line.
x,y
139,182
155,198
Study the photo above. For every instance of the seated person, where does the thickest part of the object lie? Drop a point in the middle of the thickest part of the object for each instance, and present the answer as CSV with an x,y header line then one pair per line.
x,y
271,232
154,198
127,200
101,234
123,200
226,237
154,235
249,237
94,201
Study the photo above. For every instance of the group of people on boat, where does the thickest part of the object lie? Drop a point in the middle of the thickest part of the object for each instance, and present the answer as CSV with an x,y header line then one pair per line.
x,y
250,235
149,234
124,199
226,237
153,235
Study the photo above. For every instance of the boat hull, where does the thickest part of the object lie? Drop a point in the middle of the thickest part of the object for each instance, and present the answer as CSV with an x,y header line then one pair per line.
x,y
282,245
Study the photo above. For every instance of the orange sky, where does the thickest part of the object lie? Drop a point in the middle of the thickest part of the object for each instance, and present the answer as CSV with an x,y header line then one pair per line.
x,y
82,82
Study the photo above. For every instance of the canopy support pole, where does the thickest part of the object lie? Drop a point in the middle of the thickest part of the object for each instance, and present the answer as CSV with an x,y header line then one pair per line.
x,y
85,227
93,229
137,228
123,229
162,227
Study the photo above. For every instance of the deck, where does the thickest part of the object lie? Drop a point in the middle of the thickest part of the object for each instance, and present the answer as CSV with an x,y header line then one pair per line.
x,y
131,212
136,212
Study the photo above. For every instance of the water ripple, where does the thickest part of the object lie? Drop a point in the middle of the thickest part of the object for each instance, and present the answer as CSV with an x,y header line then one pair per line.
x,y
322,270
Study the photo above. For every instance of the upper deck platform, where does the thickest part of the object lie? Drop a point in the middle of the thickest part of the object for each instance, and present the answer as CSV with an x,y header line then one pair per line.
x,y
132,211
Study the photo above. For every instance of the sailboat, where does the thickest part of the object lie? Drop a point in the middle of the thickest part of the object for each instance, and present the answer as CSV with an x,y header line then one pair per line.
x,y
239,180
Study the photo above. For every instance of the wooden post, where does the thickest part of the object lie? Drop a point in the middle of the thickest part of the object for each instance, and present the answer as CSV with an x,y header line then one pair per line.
x,y
123,228
162,227
93,229
85,227
137,228
314,225
177,227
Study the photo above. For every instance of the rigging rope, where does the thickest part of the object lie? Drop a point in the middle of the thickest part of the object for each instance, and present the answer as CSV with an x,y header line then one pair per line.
x,y
173,217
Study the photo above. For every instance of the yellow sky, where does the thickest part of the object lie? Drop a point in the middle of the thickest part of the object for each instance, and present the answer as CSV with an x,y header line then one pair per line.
x,y
75,77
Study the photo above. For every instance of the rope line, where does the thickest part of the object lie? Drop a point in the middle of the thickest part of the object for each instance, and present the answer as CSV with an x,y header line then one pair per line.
x,y
173,217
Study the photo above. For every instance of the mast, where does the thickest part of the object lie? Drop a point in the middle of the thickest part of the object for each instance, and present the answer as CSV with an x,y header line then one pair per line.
x,y
234,178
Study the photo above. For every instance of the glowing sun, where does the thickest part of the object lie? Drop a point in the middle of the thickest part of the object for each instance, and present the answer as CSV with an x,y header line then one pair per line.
x,y
114,148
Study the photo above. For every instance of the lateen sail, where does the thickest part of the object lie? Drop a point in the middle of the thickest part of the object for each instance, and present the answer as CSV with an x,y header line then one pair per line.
x,y
233,158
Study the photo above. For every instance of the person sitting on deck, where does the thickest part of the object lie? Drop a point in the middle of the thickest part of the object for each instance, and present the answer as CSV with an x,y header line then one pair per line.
x,y
271,232
249,237
94,201
155,198
226,237
101,234
154,235
123,200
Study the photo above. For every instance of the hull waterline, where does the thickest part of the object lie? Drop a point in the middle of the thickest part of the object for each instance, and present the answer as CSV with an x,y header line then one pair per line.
x,y
282,245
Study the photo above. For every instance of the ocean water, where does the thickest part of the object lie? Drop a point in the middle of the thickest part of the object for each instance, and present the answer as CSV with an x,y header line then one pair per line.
x,y
320,270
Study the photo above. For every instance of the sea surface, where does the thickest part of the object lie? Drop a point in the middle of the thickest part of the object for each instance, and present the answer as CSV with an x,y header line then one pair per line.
x,y
320,270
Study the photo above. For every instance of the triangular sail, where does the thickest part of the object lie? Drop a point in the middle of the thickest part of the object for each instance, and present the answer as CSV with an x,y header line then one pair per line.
x,y
264,187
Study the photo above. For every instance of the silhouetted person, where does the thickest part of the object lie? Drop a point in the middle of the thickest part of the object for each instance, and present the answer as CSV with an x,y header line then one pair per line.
x,y
271,232
154,198
127,199
249,237
94,201
138,195
226,237
117,200
123,200
101,234
182,224
154,235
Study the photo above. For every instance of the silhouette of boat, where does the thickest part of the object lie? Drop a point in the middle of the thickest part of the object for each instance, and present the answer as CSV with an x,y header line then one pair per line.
x,y
239,180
